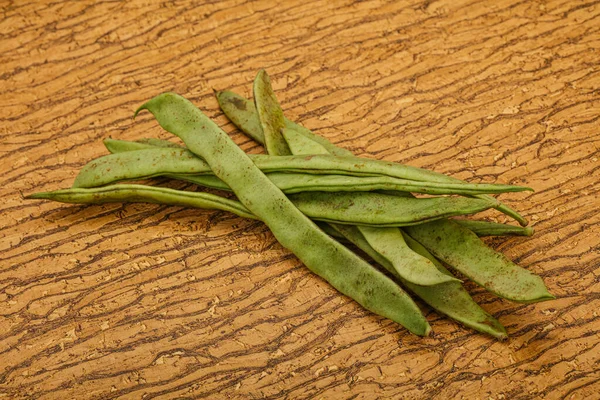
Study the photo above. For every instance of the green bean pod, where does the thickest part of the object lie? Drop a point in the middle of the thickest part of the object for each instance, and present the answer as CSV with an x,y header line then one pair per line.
x,y
231,97
156,161
449,298
132,193
242,112
383,210
270,115
463,250
387,212
485,228
323,255
460,248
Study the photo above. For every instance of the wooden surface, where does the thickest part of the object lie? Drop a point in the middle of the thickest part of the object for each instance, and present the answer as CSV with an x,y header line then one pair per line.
x,y
152,302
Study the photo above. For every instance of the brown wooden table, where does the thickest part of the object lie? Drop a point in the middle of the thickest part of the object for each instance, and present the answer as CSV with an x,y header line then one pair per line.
x,y
140,301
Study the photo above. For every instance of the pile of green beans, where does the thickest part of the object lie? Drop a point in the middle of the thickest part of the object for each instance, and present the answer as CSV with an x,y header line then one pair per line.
x,y
319,201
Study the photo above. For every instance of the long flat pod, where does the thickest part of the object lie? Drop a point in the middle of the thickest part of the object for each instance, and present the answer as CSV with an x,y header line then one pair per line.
x,y
384,213
157,161
242,112
448,298
133,193
378,209
387,242
462,249
270,115
485,228
323,255
245,118
103,171
539,283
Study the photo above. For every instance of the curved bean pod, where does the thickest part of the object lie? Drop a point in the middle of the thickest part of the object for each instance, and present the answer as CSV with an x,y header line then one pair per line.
x,y
145,194
382,210
448,298
242,113
537,285
462,249
323,255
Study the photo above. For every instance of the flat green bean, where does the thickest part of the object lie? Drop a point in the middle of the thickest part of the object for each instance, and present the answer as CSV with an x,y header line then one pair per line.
x,y
300,144
242,113
448,298
463,250
323,255
120,146
484,228
539,291
270,115
287,182
147,194
385,211
460,248
156,161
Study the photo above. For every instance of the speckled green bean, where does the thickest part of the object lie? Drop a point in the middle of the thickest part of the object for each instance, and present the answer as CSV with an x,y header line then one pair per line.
x,y
401,255
460,248
243,114
484,228
366,211
463,250
270,115
384,210
132,193
157,161
449,298
288,182
120,146
529,288
323,255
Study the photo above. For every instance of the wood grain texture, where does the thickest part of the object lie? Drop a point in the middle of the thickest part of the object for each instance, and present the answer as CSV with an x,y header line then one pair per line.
x,y
152,302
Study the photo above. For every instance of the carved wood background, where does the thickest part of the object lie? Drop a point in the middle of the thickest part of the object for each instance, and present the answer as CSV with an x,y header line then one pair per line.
x,y
142,301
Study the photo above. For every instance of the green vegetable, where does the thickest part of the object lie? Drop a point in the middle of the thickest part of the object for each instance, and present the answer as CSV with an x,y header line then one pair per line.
x,y
323,255
449,298
146,194
156,161
484,228
387,242
243,114
230,97
270,115
385,211
460,248
464,251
